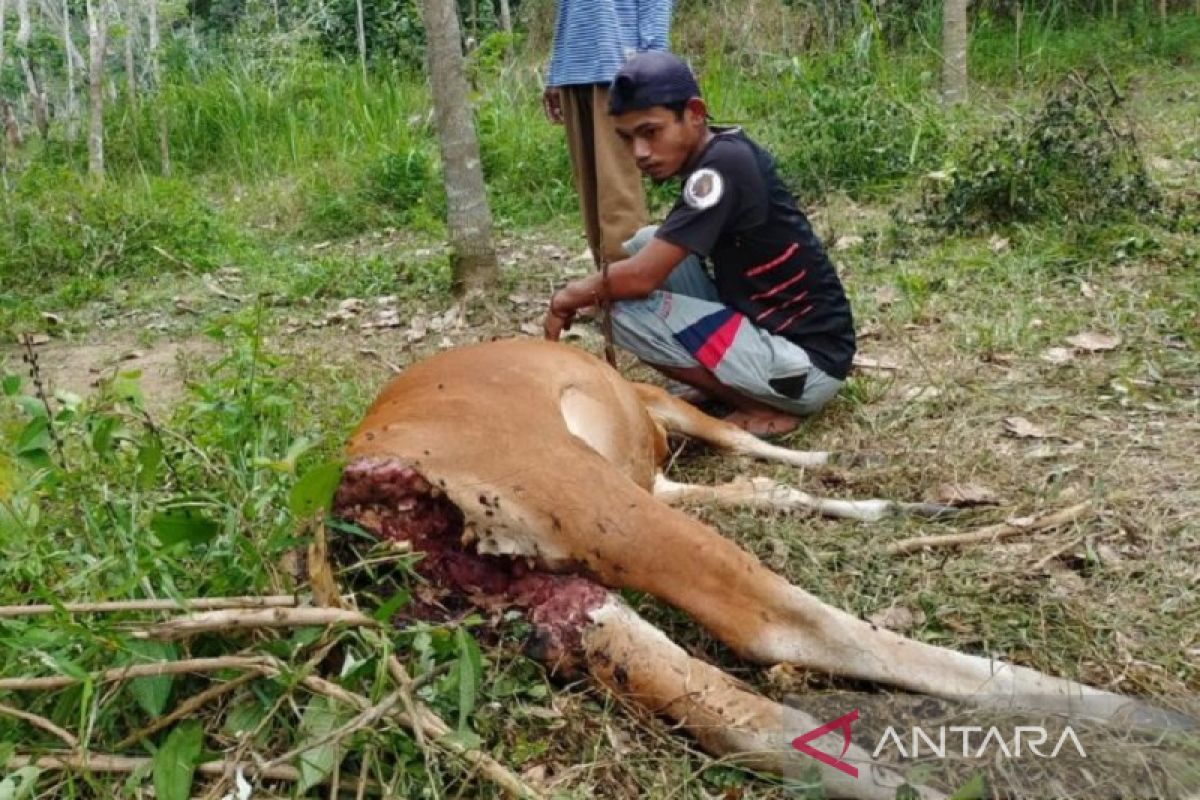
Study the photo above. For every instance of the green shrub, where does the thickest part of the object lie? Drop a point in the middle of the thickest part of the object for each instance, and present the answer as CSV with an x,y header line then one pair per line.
x,y
1075,160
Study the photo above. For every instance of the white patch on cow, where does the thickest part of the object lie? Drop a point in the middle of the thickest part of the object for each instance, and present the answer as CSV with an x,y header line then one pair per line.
x,y
703,189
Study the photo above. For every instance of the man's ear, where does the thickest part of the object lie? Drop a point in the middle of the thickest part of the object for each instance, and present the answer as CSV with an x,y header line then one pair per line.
x,y
696,110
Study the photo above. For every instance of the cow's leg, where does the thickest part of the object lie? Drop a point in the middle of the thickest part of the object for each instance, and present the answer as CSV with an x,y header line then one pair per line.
x,y
679,416
637,661
768,494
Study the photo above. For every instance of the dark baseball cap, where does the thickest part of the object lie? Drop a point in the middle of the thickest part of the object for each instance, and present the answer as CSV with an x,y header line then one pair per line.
x,y
650,79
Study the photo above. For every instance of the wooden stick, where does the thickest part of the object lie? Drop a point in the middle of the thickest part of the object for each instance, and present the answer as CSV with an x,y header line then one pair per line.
x,y
189,604
40,722
244,618
138,671
991,533
438,730
102,762
366,717
187,707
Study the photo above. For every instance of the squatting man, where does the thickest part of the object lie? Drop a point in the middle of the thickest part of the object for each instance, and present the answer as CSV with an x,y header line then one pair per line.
x,y
769,332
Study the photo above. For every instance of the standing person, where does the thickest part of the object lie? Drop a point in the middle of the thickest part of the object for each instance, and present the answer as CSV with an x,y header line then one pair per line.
x,y
770,331
592,39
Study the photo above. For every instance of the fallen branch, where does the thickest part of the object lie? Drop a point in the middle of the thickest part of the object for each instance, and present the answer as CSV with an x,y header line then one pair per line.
x,y
101,762
365,718
438,731
991,533
189,604
40,722
246,618
138,671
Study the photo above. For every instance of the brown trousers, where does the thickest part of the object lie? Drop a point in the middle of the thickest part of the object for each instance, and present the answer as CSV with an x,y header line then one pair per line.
x,y
606,177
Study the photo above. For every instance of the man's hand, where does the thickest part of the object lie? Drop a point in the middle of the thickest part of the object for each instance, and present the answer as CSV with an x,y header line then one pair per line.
x,y
558,317
552,104
554,325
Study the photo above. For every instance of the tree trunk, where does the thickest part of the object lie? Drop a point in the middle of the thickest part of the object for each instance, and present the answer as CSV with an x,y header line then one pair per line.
x,y
506,26
72,103
5,109
131,25
3,23
97,32
954,51
362,38
469,220
37,98
1019,22
505,17
164,150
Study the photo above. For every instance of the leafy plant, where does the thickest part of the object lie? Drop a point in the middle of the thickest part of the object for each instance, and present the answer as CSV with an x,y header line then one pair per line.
x,y
1076,159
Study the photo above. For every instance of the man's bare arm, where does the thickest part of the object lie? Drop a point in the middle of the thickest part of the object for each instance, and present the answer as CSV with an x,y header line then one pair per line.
x,y
627,280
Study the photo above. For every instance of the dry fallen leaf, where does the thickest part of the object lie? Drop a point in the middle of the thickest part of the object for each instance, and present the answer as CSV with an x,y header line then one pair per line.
x,y
866,362
1003,358
1087,290
896,618
1094,342
36,339
921,394
1024,429
886,295
532,329
963,495
51,319
847,242
1059,355
998,244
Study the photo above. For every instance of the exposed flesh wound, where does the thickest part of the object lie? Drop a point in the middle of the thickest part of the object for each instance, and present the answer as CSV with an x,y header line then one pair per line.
x,y
393,502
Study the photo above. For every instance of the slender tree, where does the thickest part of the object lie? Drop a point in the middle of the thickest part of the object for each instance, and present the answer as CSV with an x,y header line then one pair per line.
x,y
469,220
97,23
506,26
3,23
505,17
164,150
129,12
68,47
37,97
954,51
5,108
362,37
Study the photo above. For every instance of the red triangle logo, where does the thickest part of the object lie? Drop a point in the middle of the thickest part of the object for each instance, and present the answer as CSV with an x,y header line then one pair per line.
x,y
843,724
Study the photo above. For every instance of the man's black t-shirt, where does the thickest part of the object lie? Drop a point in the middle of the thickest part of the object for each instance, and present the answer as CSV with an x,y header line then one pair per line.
x,y
767,262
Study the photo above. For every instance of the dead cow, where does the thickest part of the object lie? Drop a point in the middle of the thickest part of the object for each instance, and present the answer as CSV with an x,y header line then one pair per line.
x,y
529,474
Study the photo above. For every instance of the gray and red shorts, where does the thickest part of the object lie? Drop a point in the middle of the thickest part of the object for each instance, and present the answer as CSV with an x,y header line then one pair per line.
x,y
684,324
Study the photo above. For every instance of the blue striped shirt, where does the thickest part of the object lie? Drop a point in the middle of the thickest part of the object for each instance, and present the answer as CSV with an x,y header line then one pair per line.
x,y
592,38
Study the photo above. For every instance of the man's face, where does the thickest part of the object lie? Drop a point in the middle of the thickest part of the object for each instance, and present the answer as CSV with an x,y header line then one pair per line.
x,y
661,143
